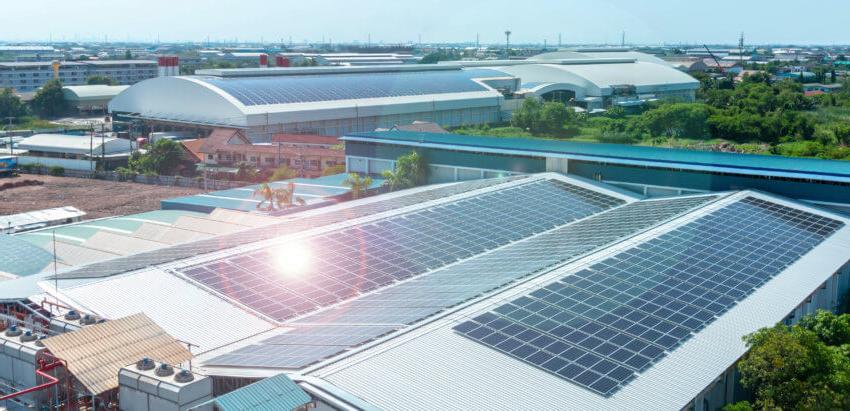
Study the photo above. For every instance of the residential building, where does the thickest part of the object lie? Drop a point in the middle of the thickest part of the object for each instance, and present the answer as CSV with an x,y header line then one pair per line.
x,y
307,155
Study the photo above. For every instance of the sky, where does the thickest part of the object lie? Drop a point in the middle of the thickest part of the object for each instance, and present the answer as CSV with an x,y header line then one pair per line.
x,y
434,21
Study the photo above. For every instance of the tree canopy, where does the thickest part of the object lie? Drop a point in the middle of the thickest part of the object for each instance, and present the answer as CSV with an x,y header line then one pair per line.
x,y
410,170
10,106
805,366
49,100
162,157
108,81
548,118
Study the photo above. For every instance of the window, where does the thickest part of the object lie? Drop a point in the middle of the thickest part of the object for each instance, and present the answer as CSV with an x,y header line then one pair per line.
x,y
209,156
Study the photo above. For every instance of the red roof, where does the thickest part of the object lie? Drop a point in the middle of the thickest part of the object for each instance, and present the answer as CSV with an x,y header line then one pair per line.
x,y
304,139
193,147
814,93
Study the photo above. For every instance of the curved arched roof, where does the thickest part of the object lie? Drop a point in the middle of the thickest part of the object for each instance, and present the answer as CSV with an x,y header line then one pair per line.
x,y
598,79
599,54
228,100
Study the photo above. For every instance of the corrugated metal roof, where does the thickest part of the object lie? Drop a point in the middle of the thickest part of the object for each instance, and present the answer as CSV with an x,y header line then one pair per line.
x,y
619,153
271,394
436,368
20,257
96,353
180,308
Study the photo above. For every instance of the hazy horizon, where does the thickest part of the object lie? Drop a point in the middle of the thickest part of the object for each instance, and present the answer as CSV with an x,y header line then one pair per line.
x,y
435,21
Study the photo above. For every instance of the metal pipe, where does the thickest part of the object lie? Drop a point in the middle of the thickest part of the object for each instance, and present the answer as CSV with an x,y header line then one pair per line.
x,y
42,371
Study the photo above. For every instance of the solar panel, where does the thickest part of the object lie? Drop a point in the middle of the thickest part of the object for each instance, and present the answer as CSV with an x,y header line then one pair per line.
x,y
195,248
601,326
252,91
417,299
349,262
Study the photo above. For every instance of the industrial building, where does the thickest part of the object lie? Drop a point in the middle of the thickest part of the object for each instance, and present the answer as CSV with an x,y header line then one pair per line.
x,y
74,152
651,171
333,101
29,76
90,98
540,291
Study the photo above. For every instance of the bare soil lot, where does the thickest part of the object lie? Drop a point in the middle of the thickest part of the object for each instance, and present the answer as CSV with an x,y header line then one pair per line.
x,y
98,198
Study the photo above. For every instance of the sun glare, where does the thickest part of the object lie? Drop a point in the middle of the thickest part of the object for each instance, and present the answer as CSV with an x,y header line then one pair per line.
x,y
292,260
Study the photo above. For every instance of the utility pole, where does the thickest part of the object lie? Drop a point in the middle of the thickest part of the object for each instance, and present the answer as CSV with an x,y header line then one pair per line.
x,y
741,50
507,44
623,39
477,41
559,40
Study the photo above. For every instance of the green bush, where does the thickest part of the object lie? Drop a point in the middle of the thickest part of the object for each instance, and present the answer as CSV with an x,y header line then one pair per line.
x,y
57,171
617,137
27,168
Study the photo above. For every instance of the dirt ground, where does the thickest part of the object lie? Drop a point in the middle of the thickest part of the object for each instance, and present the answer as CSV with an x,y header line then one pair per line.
x,y
97,198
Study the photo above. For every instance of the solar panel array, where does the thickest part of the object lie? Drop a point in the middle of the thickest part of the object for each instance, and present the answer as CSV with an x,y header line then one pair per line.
x,y
252,91
193,249
601,326
348,262
430,294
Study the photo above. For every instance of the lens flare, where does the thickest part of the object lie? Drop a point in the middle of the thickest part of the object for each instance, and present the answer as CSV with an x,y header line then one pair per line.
x,y
292,260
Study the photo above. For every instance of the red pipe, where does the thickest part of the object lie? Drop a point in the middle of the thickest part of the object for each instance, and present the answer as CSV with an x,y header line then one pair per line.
x,y
42,372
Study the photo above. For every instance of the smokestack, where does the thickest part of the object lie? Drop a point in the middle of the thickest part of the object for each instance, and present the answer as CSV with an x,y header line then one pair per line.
x,y
281,61
161,66
264,60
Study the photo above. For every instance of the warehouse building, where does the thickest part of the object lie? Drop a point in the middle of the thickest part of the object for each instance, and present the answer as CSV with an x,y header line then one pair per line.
x,y
651,171
91,98
333,101
541,291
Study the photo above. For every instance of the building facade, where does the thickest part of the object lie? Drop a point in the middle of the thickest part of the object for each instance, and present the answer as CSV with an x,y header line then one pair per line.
x,y
29,76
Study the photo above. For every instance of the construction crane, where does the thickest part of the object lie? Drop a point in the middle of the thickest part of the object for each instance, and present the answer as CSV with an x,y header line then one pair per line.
x,y
716,61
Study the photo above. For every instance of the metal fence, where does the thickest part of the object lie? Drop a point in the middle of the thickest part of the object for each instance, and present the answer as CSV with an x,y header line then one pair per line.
x,y
173,181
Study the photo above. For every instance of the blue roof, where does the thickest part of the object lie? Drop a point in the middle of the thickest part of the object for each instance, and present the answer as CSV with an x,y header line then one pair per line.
x,y
271,394
830,170
21,257
304,88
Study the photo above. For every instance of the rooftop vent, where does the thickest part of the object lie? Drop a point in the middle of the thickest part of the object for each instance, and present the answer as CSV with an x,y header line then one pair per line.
x,y
72,316
164,370
145,364
184,376
28,336
13,331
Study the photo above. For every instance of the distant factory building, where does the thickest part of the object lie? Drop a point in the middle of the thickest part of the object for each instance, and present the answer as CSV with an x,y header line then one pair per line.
x,y
91,98
333,101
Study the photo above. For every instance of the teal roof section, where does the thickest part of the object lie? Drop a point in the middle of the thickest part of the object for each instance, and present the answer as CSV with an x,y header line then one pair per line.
x,y
271,394
811,168
22,258
243,199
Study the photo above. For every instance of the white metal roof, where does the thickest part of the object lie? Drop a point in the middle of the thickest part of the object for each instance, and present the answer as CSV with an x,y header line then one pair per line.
x,y
92,92
435,368
181,309
35,218
62,143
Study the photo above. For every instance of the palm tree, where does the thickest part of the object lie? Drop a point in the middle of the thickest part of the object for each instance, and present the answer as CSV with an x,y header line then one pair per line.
x,y
267,195
284,196
358,184
394,180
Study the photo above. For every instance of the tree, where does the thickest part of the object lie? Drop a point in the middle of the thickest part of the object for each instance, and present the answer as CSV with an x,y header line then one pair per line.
x,y
553,116
10,105
739,406
333,170
358,184
282,173
163,157
830,328
283,197
49,100
791,368
676,120
108,81
246,171
128,55
410,170
527,115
